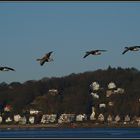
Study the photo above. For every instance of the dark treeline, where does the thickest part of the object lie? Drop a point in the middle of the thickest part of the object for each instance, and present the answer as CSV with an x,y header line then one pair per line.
x,y
73,92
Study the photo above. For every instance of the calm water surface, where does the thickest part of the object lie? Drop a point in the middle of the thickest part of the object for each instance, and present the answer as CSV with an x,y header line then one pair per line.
x,y
71,133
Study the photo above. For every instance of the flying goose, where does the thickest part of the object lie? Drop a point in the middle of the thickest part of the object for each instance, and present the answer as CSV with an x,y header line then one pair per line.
x,y
6,69
45,58
133,48
93,52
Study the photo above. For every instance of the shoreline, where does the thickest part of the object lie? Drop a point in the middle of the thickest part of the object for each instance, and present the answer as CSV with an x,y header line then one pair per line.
x,y
65,125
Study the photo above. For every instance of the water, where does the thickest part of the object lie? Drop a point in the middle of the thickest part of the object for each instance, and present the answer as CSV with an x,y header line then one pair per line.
x,y
71,133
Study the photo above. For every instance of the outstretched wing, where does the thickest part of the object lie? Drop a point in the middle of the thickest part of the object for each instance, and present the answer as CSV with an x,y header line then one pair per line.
x,y
87,53
125,51
9,68
137,46
48,54
42,62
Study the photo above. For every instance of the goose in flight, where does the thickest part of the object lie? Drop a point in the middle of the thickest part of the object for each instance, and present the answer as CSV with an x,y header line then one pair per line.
x,y
6,69
93,52
133,48
45,58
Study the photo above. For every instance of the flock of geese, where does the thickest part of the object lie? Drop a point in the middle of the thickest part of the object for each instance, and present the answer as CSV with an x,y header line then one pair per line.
x,y
47,57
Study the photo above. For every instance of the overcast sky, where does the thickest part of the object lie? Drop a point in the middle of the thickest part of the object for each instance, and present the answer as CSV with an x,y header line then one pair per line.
x,y
28,30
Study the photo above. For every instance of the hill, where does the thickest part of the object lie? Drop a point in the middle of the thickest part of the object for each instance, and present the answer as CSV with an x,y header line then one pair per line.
x,y
72,93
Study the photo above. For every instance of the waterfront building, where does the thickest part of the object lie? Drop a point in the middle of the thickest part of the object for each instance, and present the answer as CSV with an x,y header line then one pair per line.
x,y
17,118
49,118
31,119
66,118
53,92
23,120
126,119
117,118
7,108
95,86
101,117
92,116
8,120
81,117
95,95
109,118
119,91
33,111
1,119
102,105
111,85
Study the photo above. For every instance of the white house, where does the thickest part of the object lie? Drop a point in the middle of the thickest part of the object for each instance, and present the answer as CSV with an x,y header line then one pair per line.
x,y
95,86
102,105
1,119
32,119
49,118
66,118
7,108
119,91
126,119
8,120
117,118
111,85
109,118
95,95
44,119
23,120
81,117
17,118
33,111
53,92
92,116
101,117
111,103
138,120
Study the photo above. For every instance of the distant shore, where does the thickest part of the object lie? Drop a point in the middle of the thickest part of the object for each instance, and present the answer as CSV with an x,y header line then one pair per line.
x,y
65,125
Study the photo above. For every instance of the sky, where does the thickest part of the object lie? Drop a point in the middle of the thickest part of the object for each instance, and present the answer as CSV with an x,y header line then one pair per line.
x,y
28,30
